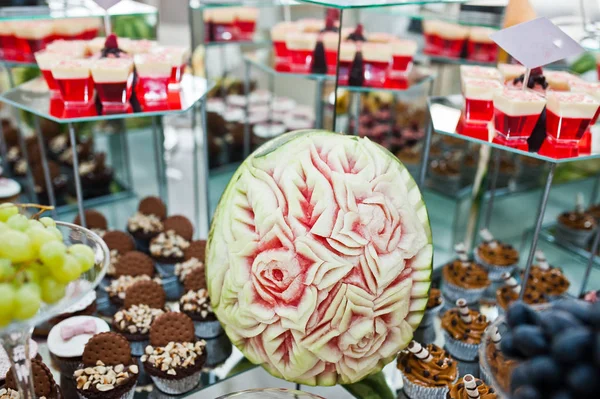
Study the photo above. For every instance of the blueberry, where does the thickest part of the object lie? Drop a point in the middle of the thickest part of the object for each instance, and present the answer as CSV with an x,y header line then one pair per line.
x,y
520,376
597,350
520,313
527,392
583,379
507,346
554,321
580,309
573,345
530,341
544,372
595,316
562,394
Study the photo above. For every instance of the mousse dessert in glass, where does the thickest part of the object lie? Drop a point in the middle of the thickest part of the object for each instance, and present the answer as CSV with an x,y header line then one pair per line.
x,y
73,48
347,54
560,80
376,58
592,89
223,24
8,43
74,80
153,72
479,94
480,46
46,60
448,39
113,78
516,113
179,57
300,49
245,21
278,35
31,37
403,52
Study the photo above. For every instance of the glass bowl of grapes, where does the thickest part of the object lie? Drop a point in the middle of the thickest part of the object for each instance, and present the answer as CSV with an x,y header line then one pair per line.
x,y
544,351
270,393
46,266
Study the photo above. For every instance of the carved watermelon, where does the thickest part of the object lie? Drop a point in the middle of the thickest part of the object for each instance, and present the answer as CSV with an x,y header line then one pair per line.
x,y
319,257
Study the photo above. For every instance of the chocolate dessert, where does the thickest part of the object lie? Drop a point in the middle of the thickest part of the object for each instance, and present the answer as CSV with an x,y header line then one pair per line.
x,y
94,221
463,329
58,179
460,390
146,223
96,177
43,383
118,243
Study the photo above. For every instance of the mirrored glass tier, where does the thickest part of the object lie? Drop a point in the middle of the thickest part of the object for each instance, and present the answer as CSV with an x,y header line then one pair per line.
x,y
34,97
345,4
548,234
461,17
199,4
446,117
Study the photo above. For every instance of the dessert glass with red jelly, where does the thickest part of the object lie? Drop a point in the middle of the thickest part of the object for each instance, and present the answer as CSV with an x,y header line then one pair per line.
x,y
179,57
479,72
46,60
74,80
515,114
245,21
568,115
73,48
278,35
154,72
590,88
480,47
223,24
403,52
8,44
300,48
377,58
347,54
113,78
32,37
330,42
479,94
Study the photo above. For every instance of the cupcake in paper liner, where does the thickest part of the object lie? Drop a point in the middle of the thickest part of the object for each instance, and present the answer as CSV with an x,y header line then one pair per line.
x,y
434,304
464,279
119,243
495,256
493,363
67,340
549,280
146,223
144,302
469,386
218,350
174,359
427,371
193,263
107,370
463,330
196,304
168,247
132,267
44,385
510,292
576,227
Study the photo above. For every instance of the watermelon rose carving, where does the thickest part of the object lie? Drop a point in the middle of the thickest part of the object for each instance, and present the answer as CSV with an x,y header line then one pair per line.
x,y
319,258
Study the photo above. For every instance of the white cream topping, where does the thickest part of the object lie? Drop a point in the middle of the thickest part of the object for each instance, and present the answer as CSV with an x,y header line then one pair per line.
x,y
380,37
97,44
402,47
347,51
152,65
71,69
112,70
330,40
179,55
74,346
470,71
280,30
301,41
519,102
511,71
582,86
559,80
69,27
376,52
446,30
34,30
224,15
312,25
246,14
74,48
47,59
571,105
480,34
6,29
480,89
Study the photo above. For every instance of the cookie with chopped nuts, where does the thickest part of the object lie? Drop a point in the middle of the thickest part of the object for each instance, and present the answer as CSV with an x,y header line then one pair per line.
x,y
146,223
174,358
196,304
134,263
197,249
118,243
108,370
94,221
180,225
168,248
43,382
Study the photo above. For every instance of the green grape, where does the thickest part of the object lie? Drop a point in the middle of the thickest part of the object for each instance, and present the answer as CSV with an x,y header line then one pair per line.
x,y
56,232
35,223
7,210
68,271
32,276
18,222
52,254
39,268
85,256
27,301
3,227
48,222
52,290
4,320
7,298
16,246
7,272
39,236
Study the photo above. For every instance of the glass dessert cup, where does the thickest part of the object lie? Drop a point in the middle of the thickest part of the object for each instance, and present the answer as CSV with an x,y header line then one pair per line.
x,y
478,94
245,22
347,54
300,48
403,52
270,393
46,60
31,38
8,43
484,52
113,78
223,25
153,77
75,83
15,337
377,58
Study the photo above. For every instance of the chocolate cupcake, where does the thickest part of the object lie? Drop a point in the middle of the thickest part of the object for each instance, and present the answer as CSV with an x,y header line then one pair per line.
x,y
434,304
463,330
85,148
175,285
500,367
470,387
147,222
168,247
58,179
94,221
174,359
496,257
5,362
511,290
427,372
550,280
119,243
196,304
576,227
44,385
131,268
68,338
197,249
464,279
107,370
144,302
96,176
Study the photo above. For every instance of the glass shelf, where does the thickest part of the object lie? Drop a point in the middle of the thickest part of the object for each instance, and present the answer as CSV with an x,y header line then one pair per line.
x,y
344,4
16,64
255,60
445,113
425,14
58,9
200,4
29,97
547,234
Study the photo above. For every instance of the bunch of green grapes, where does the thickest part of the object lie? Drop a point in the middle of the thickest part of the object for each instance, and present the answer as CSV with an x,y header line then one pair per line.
x,y
35,264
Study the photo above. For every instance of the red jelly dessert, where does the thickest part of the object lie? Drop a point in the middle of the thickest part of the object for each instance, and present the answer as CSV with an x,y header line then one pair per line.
x,y
300,49
245,21
480,46
46,60
347,53
403,52
223,24
330,41
278,34
568,116
515,114
74,81
510,72
179,57
444,38
377,57
73,48
479,72
154,72
478,95
113,78
8,44
590,88
32,37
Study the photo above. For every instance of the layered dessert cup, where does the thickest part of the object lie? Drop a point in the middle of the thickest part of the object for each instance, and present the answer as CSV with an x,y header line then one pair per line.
x,y
8,44
480,46
510,72
278,35
245,21
179,57
74,80
403,52
347,54
113,78
223,24
300,48
134,47
444,39
480,72
377,57
515,114
153,75
479,93
71,29
592,89
560,80
330,42
46,60
74,48
32,37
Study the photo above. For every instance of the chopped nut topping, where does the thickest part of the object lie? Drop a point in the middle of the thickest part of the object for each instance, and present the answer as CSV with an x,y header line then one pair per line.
x,y
114,258
103,378
184,268
9,394
146,223
168,244
196,302
118,286
59,143
137,319
174,355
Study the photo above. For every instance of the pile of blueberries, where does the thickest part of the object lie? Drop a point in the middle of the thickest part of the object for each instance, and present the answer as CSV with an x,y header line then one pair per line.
x,y
559,350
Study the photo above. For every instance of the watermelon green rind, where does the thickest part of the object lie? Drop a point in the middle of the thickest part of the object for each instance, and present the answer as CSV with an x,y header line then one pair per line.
x,y
225,279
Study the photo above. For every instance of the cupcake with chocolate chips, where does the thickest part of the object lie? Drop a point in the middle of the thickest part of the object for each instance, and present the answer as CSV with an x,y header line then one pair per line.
x,y
168,248
576,227
427,372
146,223
463,330
498,368
434,305
470,387
44,385
550,280
119,243
94,221
511,290
496,257
463,278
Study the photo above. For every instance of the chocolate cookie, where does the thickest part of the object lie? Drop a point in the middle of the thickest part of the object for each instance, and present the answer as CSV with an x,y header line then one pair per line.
x,y
120,241
134,263
146,292
181,225
172,327
43,382
93,219
110,348
195,280
153,206
197,249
